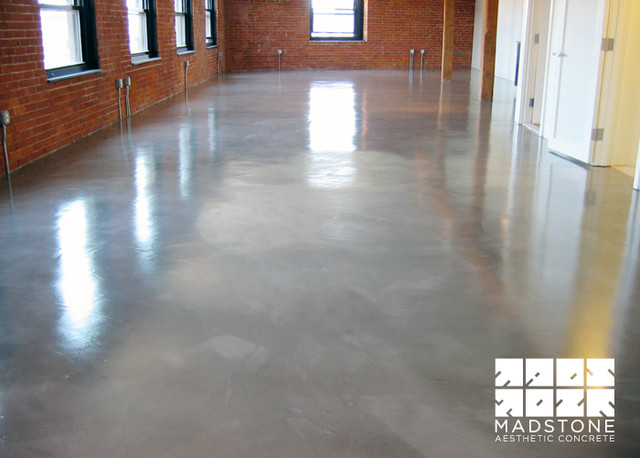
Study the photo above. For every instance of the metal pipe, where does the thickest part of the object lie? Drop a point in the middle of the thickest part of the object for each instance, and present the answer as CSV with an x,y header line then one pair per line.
x,y
5,119
4,148
515,79
421,58
127,85
411,53
279,59
186,75
119,85
120,104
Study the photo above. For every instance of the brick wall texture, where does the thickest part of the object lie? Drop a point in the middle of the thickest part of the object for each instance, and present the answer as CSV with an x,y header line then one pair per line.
x,y
256,29
48,115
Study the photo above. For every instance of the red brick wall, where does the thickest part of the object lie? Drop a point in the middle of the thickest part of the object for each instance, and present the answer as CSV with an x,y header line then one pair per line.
x,y
46,116
256,29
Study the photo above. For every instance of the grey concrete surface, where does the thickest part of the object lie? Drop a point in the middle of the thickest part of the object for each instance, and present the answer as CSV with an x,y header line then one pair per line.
x,y
302,264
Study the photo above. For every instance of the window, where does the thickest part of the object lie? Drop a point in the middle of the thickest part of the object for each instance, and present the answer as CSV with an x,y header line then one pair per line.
x,y
142,29
184,35
336,19
68,37
210,22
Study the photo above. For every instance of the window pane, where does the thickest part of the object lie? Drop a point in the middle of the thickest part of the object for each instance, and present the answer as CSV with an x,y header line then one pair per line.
x,y
333,25
138,33
333,4
208,23
178,6
135,4
60,38
181,28
56,2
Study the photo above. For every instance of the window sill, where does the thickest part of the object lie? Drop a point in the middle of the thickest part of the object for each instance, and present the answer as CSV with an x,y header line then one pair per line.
x,y
143,60
212,46
55,79
331,40
186,52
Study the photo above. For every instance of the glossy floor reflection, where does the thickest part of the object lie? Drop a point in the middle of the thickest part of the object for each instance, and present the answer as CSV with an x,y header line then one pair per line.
x,y
307,264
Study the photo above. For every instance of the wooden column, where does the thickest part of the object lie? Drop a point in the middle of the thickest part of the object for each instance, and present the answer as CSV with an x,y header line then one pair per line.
x,y
488,57
447,40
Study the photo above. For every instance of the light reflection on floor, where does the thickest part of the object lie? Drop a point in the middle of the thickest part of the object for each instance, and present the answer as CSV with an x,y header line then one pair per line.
x,y
307,264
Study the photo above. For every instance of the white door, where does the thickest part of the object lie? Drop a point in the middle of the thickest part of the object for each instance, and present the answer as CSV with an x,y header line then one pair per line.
x,y
535,34
573,76
539,43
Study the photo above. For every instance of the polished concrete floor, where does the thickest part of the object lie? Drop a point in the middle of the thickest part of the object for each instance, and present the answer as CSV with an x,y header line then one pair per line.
x,y
308,264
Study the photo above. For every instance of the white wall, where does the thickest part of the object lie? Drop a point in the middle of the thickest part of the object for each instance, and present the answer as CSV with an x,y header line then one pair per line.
x,y
509,32
477,36
623,122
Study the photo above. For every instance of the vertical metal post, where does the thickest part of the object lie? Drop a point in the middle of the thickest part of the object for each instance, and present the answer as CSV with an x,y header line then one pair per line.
x,y
186,75
515,80
120,104
119,85
5,119
127,85
4,148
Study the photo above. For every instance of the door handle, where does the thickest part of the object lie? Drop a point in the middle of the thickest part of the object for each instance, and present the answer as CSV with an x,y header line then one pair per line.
x,y
558,54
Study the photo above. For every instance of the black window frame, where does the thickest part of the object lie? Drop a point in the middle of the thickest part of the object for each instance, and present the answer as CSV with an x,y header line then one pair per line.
x,y
358,26
210,7
88,39
187,12
149,9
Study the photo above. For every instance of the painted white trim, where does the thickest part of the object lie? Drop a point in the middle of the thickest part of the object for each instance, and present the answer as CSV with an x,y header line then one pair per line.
x,y
600,151
636,182
533,60
582,150
525,62
477,35
621,129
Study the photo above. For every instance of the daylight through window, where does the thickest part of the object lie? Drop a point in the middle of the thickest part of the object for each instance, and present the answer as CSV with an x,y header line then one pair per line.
x,y
68,36
183,24
336,19
210,22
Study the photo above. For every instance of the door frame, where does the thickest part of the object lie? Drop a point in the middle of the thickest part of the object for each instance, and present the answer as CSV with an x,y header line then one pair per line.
x,y
583,151
526,89
636,181
606,100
